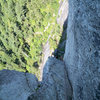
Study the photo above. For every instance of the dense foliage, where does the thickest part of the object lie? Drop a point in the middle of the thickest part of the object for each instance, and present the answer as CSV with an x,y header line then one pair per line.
x,y
25,26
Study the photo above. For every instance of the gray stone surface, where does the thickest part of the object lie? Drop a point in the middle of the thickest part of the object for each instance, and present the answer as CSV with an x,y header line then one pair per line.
x,y
82,56
55,84
23,86
82,62
63,12
46,53
16,85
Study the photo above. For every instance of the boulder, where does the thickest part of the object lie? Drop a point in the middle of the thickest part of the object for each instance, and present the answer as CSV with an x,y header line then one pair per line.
x,y
16,85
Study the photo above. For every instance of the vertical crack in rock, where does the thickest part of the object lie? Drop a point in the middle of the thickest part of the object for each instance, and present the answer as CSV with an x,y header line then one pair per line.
x,y
28,84
68,82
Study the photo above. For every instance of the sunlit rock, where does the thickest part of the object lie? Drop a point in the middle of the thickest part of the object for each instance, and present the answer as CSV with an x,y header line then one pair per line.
x,y
82,56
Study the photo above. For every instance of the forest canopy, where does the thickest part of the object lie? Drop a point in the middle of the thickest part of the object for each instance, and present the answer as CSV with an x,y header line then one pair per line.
x,y
24,28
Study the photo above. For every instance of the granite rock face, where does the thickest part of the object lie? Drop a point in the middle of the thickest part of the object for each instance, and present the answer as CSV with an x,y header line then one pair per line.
x,y
55,84
23,86
81,62
16,85
82,56
63,12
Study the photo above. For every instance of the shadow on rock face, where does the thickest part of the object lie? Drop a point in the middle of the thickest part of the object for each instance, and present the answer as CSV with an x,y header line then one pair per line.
x,y
59,52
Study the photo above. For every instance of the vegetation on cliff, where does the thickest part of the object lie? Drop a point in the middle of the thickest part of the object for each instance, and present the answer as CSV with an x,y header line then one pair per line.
x,y
25,26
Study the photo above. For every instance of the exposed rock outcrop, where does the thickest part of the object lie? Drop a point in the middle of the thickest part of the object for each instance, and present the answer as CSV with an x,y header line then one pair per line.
x,y
23,86
46,54
63,12
82,57
55,84
16,85
82,62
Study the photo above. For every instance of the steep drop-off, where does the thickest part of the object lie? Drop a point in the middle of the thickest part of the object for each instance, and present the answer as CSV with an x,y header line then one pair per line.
x,y
25,26
75,78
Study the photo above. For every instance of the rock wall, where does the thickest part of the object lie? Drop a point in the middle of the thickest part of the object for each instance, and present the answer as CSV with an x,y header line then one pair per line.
x,y
24,86
63,12
55,84
81,62
46,53
82,56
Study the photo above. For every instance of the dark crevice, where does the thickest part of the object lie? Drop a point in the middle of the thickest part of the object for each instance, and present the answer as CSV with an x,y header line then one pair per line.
x,y
59,52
